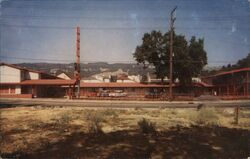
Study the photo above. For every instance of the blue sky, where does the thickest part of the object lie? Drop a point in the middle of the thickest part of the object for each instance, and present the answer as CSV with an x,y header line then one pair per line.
x,y
44,30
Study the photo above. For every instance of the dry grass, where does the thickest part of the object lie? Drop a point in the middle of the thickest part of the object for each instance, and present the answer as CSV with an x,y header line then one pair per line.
x,y
30,128
206,116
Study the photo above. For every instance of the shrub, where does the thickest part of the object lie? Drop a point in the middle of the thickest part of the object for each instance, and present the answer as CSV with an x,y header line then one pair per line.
x,y
206,116
110,113
173,112
65,119
94,120
62,122
137,108
146,126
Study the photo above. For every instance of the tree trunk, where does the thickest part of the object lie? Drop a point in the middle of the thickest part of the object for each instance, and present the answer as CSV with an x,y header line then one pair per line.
x,y
162,80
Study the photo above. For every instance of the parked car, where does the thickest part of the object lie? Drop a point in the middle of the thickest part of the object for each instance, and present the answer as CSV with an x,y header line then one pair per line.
x,y
104,93
153,95
117,93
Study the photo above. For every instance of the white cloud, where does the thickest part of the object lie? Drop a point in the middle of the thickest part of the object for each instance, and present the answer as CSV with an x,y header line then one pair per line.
x,y
245,40
134,17
233,28
195,17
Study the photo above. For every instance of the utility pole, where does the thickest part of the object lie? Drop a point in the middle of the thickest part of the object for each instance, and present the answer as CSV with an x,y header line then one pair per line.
x,y
77,64
172,19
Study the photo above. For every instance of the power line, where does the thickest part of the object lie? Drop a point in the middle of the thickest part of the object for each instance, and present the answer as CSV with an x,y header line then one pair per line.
x,y
37,27
83,28
108,0
115,6
25,51
201,19
34,59
119,28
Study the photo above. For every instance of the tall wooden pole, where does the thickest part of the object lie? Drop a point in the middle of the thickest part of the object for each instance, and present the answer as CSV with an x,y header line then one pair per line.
x,y
172,19
247,84
78,68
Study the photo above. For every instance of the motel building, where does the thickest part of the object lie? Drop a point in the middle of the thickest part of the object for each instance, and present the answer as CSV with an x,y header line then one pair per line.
x,y
17,82
123,90
230,84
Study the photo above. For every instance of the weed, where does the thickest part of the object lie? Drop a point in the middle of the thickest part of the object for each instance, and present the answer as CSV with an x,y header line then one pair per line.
x,y
94,120
173,111
62,122
200,106
65,119
206,116
110,113
137,108
146,126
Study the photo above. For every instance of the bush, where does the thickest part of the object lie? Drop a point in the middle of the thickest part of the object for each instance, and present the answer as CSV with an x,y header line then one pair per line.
x,y
65,119
110,113
61,123
146,126
173,111
94,120
206,116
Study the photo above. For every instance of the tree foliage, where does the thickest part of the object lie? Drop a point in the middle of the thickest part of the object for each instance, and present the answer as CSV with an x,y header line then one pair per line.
x,y
188,61
245,62
242,63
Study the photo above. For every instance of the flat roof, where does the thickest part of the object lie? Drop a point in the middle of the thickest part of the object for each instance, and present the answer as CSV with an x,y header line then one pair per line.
x,y
199,84
51,82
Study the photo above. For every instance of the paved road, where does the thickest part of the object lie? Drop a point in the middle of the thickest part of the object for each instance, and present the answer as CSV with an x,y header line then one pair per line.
x,y
120,104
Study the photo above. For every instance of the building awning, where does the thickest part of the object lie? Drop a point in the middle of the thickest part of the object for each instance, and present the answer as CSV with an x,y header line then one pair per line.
x,y
228,72
47,82
196,84
202,84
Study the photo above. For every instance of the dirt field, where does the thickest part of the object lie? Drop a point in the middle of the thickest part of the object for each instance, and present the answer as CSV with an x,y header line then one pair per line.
x,y
65,132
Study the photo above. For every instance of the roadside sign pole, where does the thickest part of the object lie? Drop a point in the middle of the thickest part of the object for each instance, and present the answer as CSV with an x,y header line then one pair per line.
x,y
172,19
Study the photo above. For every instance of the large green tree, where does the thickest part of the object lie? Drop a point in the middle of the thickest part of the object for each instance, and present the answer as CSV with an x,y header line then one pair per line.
x,y
245,62
242,63
188,61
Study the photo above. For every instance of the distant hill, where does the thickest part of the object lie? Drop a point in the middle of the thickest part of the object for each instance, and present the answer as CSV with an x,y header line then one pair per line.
x,y
86,69
90,69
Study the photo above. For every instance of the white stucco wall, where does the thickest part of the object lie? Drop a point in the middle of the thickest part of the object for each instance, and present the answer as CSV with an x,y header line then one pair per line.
x,y
63,76
196,79
106,80
92,81
125,81
9,74
135,78
18,90
33,75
